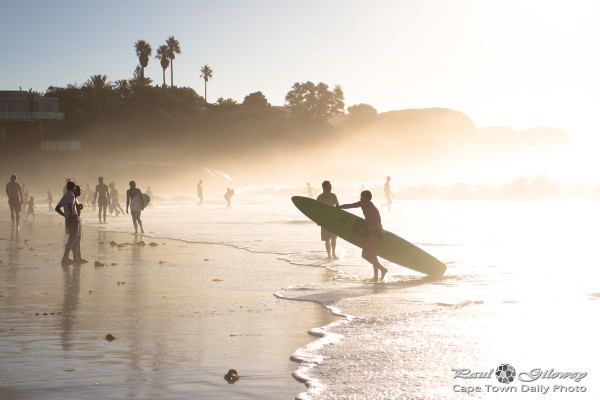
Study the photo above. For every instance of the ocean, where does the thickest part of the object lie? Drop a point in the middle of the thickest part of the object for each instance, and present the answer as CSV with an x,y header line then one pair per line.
x,y
521,291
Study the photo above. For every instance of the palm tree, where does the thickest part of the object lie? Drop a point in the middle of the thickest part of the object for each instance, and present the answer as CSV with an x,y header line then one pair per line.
x,y
122,88
173,46
206,74
99,88
98,83
163,55
143,51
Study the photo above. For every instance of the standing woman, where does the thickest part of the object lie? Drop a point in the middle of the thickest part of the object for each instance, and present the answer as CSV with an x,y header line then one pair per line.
x,y
78,207
134,197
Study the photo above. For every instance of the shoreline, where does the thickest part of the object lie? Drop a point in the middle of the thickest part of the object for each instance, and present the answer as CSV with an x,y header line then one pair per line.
x,y
184,314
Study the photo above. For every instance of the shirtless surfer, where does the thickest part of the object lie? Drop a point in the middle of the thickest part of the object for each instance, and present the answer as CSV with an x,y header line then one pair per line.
x,y
136,200
326,236
15,199
103,199
374,231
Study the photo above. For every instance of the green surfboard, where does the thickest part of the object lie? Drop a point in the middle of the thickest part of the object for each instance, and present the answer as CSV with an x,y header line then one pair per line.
x,y
352,229
146,198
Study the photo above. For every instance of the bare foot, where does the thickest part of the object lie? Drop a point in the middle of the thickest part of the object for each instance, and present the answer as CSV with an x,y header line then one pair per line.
x,y
383,272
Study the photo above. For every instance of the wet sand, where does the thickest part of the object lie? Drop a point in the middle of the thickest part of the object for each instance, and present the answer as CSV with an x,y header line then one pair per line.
x,y
183,314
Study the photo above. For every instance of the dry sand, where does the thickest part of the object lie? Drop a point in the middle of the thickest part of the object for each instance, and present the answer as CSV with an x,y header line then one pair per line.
x,y
183,315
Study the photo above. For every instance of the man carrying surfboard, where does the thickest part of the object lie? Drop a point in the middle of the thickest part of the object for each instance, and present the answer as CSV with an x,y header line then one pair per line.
x,y
135,198
374,231
326,236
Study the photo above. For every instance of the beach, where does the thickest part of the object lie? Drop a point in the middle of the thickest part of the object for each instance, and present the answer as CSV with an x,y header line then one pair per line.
x,y
183,314
208,289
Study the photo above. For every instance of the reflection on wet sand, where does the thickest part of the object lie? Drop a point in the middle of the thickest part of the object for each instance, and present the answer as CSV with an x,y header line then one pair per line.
x,y
70,305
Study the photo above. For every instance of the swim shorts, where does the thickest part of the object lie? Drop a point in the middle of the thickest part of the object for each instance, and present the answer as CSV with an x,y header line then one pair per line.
x,y
14,203
372,244
326,235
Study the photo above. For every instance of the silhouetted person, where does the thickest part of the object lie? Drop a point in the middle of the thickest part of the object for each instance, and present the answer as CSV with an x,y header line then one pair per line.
x,y
388,194
374,231
134,197
114,200
66,208
326,236
15,199
151,195
228,195
49,200
103,200
78,207
310,192
87,195
30,208
200,192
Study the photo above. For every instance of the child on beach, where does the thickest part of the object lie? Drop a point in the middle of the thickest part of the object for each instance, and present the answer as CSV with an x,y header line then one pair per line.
x,y
374,231
30,208
49,200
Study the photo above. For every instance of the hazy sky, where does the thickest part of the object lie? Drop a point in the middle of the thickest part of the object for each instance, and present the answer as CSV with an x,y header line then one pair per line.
x,y
509,63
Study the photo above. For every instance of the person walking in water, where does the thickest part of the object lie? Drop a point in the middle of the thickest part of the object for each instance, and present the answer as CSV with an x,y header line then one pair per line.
x,y
66,208
200,192
151,195
374,231
114,200
310,192
15,199
49,200
135,199
388,194
87,196
329,238
228,195
101,194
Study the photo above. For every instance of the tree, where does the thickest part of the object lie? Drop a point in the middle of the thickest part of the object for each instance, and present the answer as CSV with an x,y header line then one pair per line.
x,y
162,54
314,102
122,88
362,114
139,79
206,74
99,88
256,101
143,50
173,46
226,102
98,83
